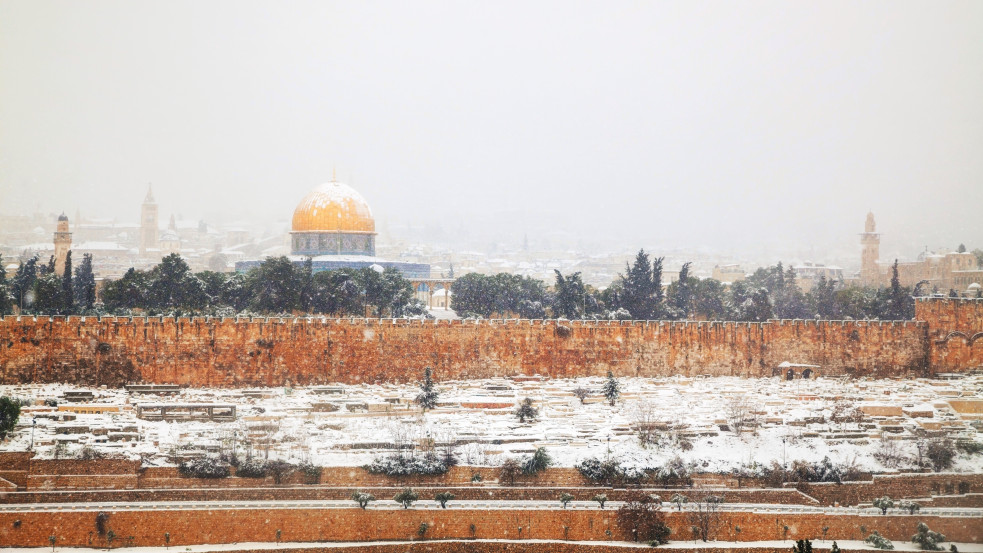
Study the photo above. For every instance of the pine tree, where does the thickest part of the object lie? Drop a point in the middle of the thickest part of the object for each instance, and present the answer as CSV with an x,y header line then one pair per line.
x,y
67,291
22,287
6,297
681,294
611,389
427,399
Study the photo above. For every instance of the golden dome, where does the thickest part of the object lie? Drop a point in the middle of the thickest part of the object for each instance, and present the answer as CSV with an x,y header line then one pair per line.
x,y
333,207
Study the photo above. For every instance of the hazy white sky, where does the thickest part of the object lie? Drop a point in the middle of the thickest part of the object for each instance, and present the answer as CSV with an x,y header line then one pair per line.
x,y
675,123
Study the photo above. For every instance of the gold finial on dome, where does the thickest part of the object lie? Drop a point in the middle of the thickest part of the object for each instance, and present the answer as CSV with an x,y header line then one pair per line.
x,y
334,174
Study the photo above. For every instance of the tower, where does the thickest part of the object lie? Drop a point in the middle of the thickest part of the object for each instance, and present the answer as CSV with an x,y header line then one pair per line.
x,y
63,243
148,223
870,274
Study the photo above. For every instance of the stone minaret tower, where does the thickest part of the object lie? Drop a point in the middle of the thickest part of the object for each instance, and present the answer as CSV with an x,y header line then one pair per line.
x,y
63,243
870,273
148,223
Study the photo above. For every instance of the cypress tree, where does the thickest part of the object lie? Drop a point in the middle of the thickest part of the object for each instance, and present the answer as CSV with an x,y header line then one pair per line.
x,y
67,290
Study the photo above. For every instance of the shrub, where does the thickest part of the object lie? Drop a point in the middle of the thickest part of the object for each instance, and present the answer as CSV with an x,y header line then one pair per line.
x,y
538,462
362,499
89,453
940,453
802,546
407,465
679,499
312,472
970,447
927,539
510,471
9,413
101,520
878,541
204,467
610,472
910,506
641,519
443,498
601,499
884,503
279,470
251,468
406,497
611,389
422,530
525,411
566,498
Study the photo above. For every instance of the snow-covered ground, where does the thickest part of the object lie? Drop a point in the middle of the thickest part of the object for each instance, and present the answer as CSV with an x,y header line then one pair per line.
x,y
796,421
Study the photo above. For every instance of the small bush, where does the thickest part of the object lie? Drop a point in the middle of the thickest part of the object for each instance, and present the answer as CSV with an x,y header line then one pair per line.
x,y
601,499
878,541
407,465
970,447
204,467
525,411
362,499
927,539
251,468
312,472
443,498
884,503
406,497
422,530
910,506
641,520
538,462
89,453
566,498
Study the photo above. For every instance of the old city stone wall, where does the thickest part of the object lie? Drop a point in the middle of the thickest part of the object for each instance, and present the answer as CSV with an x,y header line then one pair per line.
x,y
276,352
946,336
955,333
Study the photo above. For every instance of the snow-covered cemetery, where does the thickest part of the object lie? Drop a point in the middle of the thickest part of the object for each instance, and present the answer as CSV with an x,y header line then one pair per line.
x,y
717,425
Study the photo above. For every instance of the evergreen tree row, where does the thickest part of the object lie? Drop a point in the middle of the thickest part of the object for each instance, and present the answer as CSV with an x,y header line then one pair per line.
x,y
37,288
277,286
638,294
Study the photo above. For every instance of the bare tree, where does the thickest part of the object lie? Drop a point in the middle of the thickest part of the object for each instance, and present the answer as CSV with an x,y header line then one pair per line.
x,y
581,393
705,520
741,416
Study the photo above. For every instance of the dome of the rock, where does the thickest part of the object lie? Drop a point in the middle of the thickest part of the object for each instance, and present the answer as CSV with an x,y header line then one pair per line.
x,y
333,207
333,219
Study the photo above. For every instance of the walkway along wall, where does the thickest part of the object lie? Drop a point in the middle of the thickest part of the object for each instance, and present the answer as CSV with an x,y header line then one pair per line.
x,y
223,525
947,336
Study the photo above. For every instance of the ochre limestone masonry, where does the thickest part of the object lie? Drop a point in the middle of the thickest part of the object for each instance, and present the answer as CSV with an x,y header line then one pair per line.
x,y
277,352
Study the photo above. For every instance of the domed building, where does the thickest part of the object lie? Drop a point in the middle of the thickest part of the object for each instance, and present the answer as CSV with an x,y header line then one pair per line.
x,y
334,227
333,219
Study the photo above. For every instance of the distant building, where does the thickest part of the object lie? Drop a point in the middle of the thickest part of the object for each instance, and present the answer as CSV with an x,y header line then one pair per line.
x,y
809,274
939,271
333,227
148,224
728,273
63,244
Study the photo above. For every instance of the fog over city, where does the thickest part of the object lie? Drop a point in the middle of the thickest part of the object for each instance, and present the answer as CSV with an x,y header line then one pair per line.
x,y
665,125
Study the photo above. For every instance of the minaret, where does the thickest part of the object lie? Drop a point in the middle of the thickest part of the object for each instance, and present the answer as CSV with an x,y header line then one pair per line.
x,y
870,273
63,243
148,223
